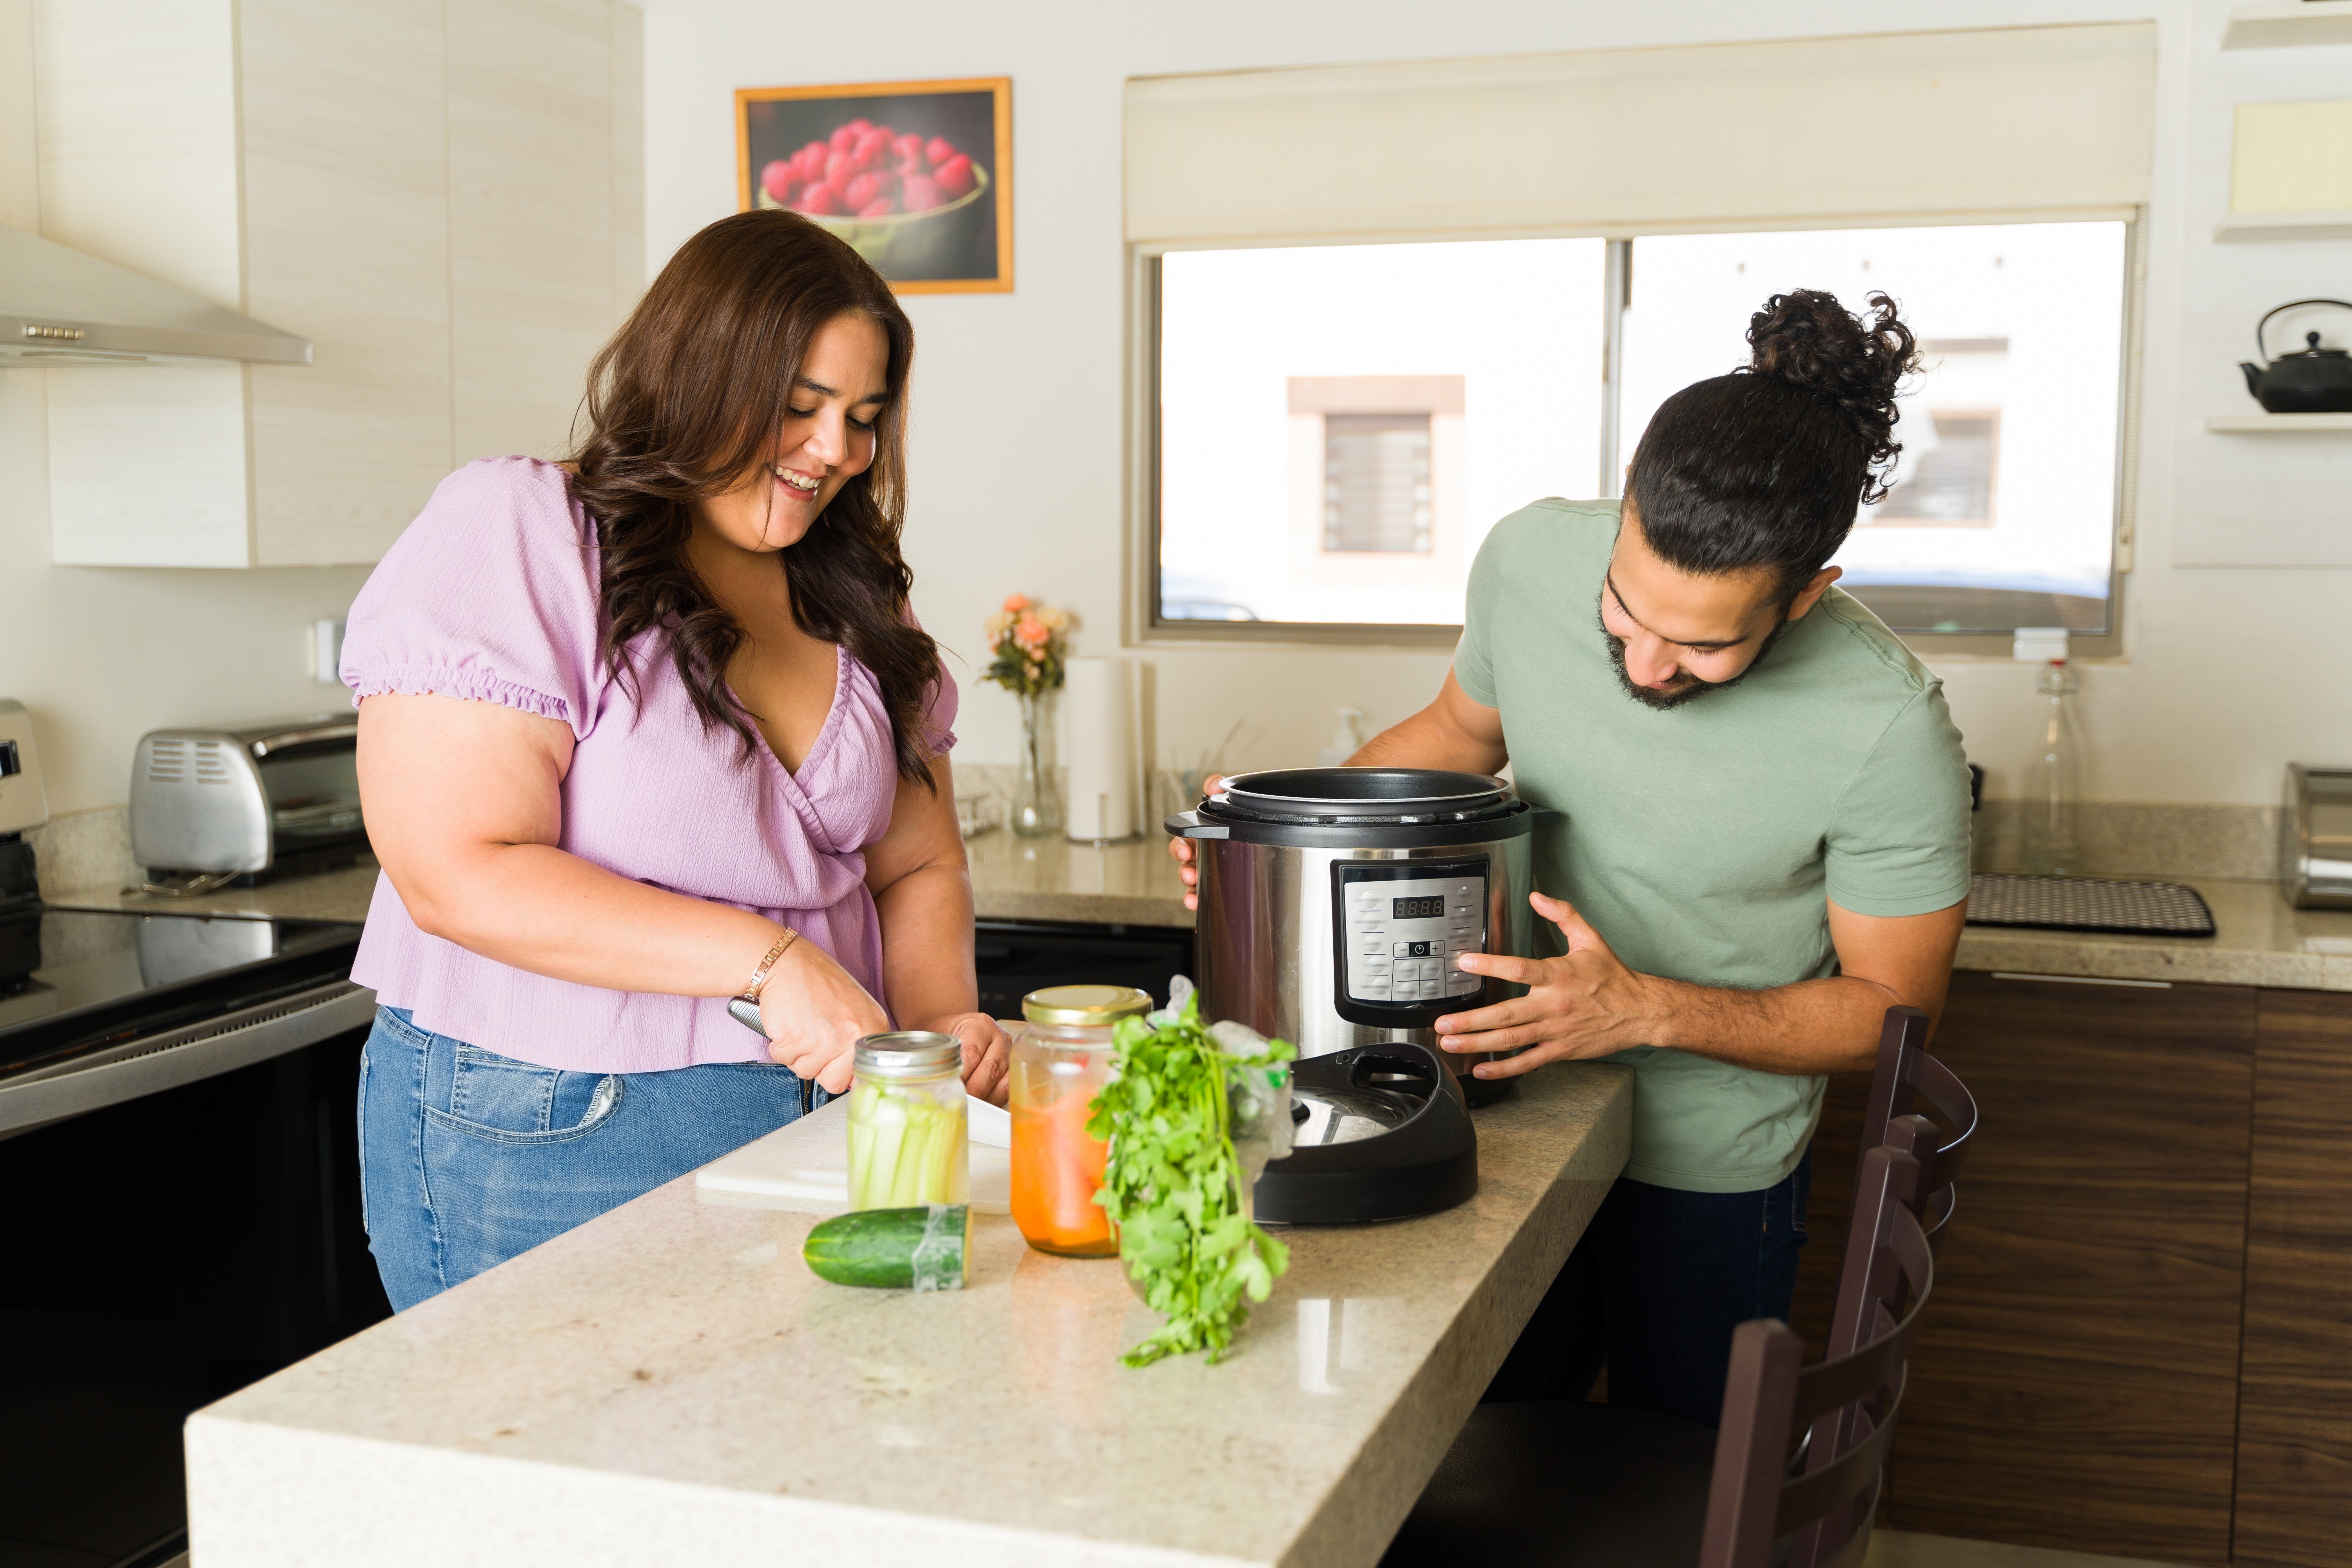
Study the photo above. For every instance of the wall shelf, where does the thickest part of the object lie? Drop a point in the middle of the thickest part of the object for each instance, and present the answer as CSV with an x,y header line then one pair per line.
x,y
2276,423
2286,225
2288,23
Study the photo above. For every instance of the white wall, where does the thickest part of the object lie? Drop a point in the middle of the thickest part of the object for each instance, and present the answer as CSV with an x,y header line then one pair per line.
x,y
1018,457
100,655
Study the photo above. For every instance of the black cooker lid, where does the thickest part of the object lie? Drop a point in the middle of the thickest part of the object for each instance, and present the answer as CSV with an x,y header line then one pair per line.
x,y
1361,797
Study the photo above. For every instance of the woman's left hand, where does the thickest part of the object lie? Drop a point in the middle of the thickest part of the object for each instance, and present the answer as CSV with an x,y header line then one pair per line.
x,y
987,1053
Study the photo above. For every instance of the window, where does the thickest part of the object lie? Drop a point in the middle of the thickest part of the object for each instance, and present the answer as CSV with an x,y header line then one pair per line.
x,y
1376,483
1340,424
1946,477
2002,512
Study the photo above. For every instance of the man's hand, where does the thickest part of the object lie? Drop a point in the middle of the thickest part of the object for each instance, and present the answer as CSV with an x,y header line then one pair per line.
x,y
1181,848
1585,1004
1589,1003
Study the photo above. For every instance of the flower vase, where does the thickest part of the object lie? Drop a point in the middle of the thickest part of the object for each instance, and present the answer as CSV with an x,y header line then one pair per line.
x,y
1036,809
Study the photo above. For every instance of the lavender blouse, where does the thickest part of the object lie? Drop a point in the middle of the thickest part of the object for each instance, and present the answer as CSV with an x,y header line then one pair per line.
x,y
491,594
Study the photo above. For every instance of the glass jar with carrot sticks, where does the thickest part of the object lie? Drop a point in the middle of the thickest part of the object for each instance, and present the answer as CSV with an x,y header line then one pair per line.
x,y
1060,1062
908,1144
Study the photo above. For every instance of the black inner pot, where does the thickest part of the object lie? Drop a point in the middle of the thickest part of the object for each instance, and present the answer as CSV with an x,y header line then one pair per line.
x,y
1334,796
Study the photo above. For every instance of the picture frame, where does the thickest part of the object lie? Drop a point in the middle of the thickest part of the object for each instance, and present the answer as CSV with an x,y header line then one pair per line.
x,y
956,236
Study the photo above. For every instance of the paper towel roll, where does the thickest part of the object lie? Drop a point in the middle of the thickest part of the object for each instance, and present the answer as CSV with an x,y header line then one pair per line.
x,y
1098,720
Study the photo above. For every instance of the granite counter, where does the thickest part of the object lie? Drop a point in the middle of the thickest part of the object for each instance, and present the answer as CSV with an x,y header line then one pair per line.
x,y
2259,939
669,1384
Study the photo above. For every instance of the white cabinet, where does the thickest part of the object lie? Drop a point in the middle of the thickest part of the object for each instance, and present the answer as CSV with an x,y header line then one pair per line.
x,y
444,195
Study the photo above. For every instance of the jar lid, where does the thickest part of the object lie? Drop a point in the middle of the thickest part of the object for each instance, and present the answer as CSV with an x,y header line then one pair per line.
x,y
1099,1005
909,1053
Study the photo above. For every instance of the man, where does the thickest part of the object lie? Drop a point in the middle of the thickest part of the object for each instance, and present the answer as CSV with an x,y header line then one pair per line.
x,y
1765,843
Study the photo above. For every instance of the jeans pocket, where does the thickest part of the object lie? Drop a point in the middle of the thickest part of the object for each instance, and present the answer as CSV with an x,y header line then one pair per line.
x,y
507,1101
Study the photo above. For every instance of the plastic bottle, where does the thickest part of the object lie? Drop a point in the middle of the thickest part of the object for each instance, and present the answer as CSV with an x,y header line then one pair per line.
x,y
1346,742
2054,781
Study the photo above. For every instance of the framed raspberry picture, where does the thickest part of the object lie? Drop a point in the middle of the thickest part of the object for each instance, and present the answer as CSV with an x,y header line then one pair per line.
x,y
916,175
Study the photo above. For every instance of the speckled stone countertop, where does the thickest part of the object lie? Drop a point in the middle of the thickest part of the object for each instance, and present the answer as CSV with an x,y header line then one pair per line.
x,y
1016,879
669,1384
2259,939
341,894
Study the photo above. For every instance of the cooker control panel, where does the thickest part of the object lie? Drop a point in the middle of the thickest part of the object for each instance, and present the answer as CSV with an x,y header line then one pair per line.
x,y
1400,924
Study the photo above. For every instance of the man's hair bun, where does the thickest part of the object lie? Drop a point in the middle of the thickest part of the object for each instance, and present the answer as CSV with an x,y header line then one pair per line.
x,y
1765,467
1807,338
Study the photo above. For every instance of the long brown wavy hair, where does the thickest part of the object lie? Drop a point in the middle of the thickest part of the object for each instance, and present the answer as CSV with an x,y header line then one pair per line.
x,y
685,397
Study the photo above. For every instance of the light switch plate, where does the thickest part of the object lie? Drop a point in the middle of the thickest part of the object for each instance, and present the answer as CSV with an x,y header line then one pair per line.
x,y
23,804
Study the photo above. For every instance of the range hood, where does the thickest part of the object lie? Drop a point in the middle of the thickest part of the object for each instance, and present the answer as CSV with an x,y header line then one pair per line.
x,y
58,306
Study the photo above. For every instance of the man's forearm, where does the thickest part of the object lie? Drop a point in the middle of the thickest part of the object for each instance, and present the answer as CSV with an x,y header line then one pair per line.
x,y
1424,741
1814,1027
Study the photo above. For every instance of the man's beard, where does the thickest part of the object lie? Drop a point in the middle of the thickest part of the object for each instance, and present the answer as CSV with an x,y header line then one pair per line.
x,y
1688,686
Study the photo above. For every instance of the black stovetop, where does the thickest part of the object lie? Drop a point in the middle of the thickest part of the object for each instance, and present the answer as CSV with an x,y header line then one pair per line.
x,y
77,981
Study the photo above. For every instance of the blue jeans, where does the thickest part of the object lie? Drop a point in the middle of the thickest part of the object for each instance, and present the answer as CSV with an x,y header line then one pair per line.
x,y
467,1158
1654,1289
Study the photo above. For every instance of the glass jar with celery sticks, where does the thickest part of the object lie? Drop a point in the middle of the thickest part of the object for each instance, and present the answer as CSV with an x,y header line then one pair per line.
x,y
908,1144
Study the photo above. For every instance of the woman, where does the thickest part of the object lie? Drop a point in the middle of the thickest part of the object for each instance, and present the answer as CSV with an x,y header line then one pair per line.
x,y
642,732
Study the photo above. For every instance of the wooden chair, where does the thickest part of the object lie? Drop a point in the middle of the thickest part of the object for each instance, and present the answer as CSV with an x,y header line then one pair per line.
x,y
1907,1073
1565,1485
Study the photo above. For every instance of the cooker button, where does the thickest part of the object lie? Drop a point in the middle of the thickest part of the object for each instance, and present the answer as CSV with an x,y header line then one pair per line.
x,y
1463,892
1373,988
1376,964
1432,990
1374,945
1437,950
1403,949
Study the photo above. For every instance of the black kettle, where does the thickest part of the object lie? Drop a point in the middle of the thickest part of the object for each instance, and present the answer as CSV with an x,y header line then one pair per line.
x,y
2312,380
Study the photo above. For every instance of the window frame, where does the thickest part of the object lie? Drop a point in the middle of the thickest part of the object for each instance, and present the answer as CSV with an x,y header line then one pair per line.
x,y
1145,625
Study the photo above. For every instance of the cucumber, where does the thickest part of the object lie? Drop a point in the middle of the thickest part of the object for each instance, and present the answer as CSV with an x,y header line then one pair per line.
x,y
894,1249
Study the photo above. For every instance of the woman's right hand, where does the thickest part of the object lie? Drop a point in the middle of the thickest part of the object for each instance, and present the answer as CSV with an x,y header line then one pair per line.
x,y
1181,848
813,1013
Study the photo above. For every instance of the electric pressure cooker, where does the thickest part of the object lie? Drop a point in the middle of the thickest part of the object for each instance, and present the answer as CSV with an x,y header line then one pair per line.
x,y
1334,900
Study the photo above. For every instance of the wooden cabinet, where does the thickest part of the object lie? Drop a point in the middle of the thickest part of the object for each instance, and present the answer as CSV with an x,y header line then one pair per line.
x,y
444,195
2141,1343
2294,1411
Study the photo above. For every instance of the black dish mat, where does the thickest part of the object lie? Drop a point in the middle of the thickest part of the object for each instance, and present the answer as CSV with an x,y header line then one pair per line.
x,y
2088,903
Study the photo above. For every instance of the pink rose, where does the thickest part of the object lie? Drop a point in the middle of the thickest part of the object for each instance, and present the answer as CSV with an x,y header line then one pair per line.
x,y
1016,602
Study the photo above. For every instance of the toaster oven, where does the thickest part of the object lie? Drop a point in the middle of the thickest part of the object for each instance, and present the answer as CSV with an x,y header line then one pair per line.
x,y
246,801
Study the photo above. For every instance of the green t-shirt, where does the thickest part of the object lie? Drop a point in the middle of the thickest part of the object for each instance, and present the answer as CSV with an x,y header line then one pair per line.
x,y
1702,841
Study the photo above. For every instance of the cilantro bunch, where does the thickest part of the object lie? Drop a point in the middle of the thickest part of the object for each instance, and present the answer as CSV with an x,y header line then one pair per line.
x,y
1173,1185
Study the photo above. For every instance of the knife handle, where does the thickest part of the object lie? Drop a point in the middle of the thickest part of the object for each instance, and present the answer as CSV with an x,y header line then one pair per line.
x,y
746,1012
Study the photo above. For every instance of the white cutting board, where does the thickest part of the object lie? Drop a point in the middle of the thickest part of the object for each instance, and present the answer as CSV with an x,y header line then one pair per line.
x,y
804,1165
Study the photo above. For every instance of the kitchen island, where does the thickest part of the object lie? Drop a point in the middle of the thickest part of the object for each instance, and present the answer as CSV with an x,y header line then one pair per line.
x,y
669,1384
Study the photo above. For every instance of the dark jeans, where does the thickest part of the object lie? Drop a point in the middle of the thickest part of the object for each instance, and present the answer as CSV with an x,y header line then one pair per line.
x,y
1654,1288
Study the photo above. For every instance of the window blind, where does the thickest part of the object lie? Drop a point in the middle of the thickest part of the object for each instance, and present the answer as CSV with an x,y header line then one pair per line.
x,y
1912,126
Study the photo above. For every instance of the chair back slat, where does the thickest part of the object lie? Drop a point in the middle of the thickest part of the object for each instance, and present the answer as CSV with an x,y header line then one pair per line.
x,y
1905,1074
1818,1494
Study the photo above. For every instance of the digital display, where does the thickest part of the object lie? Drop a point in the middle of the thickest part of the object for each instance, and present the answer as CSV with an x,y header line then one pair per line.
x,y
1418,909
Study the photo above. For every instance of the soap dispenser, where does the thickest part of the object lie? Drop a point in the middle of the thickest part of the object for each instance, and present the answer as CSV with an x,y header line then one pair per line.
x,y
1345,742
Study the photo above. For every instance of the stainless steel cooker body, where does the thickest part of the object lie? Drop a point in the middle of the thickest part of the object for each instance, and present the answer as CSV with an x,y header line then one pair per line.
x,y
1334,925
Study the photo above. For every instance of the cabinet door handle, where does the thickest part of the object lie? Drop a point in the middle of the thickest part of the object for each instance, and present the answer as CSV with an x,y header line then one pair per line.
x,y
2085,980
